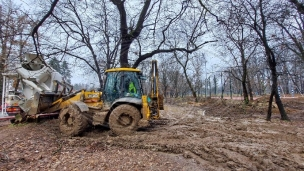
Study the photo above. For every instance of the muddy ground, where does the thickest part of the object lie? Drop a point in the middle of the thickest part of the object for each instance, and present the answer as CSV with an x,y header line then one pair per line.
x,y
211,135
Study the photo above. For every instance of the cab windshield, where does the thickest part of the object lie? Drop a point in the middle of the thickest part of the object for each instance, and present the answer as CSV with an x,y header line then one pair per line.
x,y
122,84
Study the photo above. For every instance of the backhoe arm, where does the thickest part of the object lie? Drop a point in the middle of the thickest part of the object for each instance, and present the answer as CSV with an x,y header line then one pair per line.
x,y
156,98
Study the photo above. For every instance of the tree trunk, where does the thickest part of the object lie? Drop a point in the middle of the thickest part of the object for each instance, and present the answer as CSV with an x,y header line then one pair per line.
x,y
249,88
128,34
259,86
1,77
271,60
244,78
190,86
209,87
274,88
245,93
223,89
2,68
269,112
125,46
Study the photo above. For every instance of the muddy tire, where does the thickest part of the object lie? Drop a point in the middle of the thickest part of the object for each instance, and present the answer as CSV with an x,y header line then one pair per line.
x,y
124,120
72,122
13,121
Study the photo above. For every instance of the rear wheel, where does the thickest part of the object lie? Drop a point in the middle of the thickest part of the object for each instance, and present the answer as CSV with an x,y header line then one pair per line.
x,y
72,122
124,119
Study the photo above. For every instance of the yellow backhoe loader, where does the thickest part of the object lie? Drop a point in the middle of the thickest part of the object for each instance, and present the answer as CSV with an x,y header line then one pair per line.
x,y
121,104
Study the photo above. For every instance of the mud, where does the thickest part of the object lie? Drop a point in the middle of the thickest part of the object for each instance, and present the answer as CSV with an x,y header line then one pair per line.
x,y
210,135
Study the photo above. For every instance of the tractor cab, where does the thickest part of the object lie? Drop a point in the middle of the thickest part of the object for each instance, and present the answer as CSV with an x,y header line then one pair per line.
x,y
122,85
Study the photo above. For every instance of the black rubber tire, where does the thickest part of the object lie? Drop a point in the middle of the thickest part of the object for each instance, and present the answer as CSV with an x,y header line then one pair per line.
x,y
72,123
12,121
124,119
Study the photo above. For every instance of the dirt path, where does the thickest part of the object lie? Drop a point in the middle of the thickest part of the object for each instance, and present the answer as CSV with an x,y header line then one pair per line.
x,y
213,136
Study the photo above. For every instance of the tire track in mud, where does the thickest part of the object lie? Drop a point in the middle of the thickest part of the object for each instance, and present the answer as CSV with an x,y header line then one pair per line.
x,y
211,152
217,143
249,146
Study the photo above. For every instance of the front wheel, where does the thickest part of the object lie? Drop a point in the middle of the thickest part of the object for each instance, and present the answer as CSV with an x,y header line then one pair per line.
x,y
72,122
124,119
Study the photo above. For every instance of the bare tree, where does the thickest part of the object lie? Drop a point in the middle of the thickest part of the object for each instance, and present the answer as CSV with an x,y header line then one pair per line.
x,y
80,36
184,65
152,14
14,26
164,67
172,80
34,32
197,62
291,22
83,33
241,44
260,16
143,33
